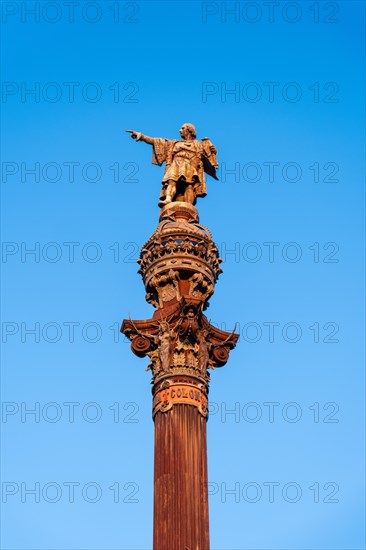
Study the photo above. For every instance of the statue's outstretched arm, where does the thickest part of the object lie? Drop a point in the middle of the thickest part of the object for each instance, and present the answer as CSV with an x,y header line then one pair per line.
x,y
139,136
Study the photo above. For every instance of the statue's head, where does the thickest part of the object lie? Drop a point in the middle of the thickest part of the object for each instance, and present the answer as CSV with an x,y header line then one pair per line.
x,y
188,130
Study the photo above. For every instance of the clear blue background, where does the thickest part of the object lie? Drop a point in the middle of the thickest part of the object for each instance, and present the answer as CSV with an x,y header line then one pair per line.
x,y
168,52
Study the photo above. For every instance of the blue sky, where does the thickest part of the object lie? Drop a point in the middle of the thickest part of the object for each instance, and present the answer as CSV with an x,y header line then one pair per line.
x,y
286,467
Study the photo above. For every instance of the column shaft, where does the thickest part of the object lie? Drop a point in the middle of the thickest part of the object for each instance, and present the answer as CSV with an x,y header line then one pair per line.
x,y
180,480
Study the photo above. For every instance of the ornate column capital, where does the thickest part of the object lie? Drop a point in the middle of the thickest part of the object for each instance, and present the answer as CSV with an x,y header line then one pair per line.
x,y
179,265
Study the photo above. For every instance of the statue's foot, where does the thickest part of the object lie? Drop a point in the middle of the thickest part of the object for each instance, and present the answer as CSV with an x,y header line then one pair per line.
x,y
164,202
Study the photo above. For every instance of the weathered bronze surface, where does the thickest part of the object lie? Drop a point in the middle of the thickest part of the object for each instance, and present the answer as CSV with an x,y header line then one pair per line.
x,y
180,265
186,162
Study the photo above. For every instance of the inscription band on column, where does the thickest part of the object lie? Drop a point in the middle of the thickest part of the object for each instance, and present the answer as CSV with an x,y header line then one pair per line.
x,y
175,394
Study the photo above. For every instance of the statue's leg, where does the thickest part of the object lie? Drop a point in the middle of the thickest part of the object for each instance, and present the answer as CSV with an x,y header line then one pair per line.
x,y
170,193
189,195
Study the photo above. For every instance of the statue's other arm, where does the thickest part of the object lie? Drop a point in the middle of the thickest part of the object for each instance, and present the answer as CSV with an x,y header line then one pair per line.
x,y
210,151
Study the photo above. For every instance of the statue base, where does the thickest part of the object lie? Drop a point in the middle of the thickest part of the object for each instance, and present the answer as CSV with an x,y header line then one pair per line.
x,y
180,211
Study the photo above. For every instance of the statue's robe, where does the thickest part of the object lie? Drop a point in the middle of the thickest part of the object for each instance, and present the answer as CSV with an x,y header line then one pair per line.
x,y
183,160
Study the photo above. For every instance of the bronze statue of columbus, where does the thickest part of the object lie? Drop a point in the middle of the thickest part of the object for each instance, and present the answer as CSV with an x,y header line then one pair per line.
x,y
186,161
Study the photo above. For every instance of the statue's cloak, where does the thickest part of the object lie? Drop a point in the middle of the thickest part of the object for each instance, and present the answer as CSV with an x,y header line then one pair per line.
x,y
184,162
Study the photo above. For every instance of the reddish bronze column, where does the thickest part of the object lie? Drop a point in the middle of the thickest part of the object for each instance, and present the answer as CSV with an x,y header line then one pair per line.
x,y
180,266
180,479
